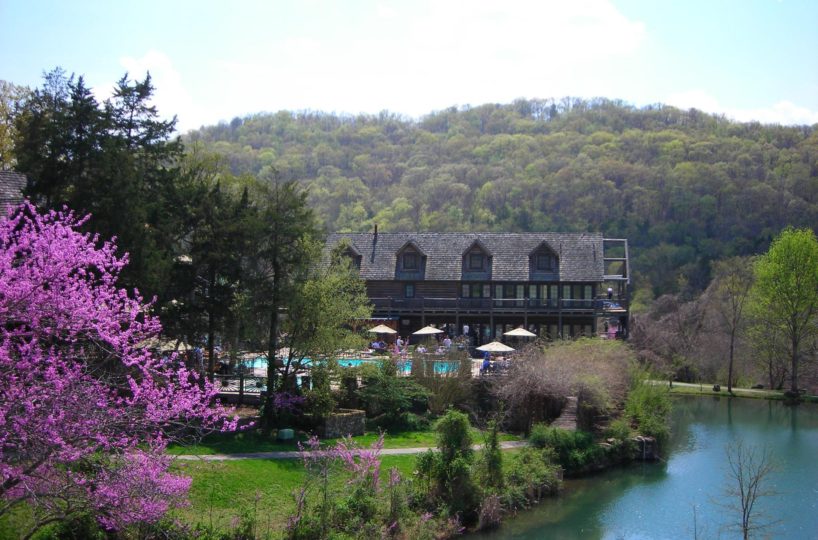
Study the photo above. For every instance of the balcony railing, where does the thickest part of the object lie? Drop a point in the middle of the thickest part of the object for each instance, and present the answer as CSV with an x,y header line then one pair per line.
x,y
495,304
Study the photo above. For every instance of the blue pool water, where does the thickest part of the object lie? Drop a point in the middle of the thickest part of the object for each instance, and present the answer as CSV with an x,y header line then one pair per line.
x,y
440,366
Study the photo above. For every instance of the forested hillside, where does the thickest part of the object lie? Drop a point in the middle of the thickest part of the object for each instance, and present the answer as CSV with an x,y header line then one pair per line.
x,y
684,187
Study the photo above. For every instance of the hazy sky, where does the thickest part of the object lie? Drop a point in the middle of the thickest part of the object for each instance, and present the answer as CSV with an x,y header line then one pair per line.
x,y
211,61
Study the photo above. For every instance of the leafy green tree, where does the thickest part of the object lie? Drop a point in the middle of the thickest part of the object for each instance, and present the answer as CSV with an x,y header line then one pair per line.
x,y
115,161
785,293
11,97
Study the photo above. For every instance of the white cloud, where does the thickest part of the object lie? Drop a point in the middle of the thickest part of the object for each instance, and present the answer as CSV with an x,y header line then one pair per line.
x,y
170,96
783,112
418,57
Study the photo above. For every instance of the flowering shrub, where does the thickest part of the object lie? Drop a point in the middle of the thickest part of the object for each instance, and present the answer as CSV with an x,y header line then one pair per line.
x,y
85,411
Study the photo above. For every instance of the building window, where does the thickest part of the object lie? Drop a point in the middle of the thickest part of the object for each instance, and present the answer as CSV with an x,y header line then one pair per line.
x,y
410,261
545,261
476,261
476,290
409,290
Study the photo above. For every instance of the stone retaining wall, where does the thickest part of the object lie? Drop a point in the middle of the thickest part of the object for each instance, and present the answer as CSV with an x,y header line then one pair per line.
x,y
344,422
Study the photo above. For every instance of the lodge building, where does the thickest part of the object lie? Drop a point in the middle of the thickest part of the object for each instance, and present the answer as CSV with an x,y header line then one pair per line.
x,y
553,284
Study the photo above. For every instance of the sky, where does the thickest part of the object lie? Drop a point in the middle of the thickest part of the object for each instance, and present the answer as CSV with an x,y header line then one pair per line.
x,y
212,61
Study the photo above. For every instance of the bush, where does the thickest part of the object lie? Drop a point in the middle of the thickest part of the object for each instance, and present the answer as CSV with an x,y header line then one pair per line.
x,y
575,450
531,475
648,406
539,435
619,429
388,396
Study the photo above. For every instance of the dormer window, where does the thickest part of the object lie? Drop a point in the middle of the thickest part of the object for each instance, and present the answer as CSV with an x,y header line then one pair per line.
x,y
546,262
476,262
410,261
543,261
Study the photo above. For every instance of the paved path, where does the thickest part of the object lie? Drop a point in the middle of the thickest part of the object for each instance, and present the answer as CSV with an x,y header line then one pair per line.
x,y
568,416
296,454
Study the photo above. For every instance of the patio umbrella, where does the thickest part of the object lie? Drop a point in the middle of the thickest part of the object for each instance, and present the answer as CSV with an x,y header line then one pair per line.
x,y
382,329
427,331
495,347
520,332
165,345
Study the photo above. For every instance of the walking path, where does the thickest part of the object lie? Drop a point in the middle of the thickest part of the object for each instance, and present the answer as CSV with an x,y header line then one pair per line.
x,y
568,417
295,454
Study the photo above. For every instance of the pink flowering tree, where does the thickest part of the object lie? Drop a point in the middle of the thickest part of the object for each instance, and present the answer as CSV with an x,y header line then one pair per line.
x,y
85,411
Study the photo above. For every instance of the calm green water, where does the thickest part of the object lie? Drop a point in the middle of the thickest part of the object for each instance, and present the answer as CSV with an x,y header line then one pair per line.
x,y
657,501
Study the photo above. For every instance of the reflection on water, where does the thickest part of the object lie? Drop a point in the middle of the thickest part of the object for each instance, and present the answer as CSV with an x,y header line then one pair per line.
x,y
657,501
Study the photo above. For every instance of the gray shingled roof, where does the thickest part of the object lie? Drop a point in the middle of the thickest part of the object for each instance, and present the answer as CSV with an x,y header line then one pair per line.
x,y
11,190
580,254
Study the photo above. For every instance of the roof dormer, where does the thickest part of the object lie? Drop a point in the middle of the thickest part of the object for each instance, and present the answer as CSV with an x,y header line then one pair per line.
x,y
410,262
476,262
543,263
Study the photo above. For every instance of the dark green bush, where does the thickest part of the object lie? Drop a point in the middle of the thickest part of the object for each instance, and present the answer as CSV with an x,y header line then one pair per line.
x,y
531,474
539,435
575,450
648,406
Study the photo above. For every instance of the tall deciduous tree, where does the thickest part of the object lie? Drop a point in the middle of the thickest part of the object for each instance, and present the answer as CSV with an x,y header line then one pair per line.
x,y
322,310
786,292
85,410
730,290
11,97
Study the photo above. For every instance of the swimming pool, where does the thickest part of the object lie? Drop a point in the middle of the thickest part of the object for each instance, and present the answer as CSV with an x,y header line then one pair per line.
x,y
441,367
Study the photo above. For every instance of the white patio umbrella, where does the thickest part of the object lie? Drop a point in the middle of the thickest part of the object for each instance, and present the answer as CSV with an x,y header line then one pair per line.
x,y
165,345
495,347
382,329
520,332
427,331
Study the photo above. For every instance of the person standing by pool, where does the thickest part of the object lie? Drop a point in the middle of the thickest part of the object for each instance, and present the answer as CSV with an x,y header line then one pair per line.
x,y
447,342
486,363
399,343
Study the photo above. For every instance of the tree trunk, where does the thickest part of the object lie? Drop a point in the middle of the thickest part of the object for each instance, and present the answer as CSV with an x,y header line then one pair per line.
x,y
794,372
730,364
272,349
211,330
211,346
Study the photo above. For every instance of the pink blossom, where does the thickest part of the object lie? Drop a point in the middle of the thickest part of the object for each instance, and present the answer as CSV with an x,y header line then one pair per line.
x,y
85,410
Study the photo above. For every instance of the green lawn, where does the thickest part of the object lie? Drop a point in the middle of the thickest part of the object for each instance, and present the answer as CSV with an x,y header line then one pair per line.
x,y
222,491
706,389
255,442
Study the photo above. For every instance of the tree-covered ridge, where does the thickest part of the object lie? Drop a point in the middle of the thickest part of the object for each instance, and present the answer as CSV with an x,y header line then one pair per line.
x,y
683,186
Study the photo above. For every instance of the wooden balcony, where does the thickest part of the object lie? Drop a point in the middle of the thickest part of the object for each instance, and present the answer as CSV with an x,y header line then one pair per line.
x,y
488,306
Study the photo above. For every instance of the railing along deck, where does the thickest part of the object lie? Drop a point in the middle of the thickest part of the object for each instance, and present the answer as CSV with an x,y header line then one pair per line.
x,y
496,305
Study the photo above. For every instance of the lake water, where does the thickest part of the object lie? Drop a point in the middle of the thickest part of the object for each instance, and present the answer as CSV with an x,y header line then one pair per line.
x,y
657,500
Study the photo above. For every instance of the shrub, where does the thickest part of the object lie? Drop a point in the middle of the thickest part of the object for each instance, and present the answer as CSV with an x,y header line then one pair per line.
x,y
490,464
388,396
575,450
648,406
539,435
619,429
531,475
